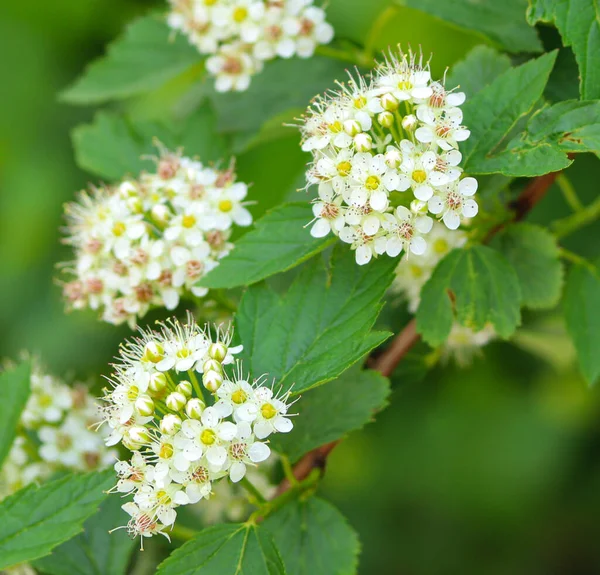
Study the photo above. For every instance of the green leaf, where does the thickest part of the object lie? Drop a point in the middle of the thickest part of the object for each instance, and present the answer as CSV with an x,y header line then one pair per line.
x,y
14,392
582,313
355,397
143,59
551,134
36,519
481,286
114,146
481,66
578,22
496,109
313,537
533,253
503,22
320,327
279,242
95,551
233,549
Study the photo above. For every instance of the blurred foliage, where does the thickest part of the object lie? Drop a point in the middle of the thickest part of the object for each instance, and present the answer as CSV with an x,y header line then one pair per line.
x,y
494,469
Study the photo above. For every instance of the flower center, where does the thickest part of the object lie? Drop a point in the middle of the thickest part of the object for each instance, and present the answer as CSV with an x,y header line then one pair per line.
x,y
200,475
240,14
405,230
416,271
237,450
118,229
63,442
372,183
343,168
208,437
360,102
133,392
335,127
268,411
225,205
419,176
442,130
405,85
45,400
440,246
166,451
163,497
454,201
330,211
183,353
239,396
188,221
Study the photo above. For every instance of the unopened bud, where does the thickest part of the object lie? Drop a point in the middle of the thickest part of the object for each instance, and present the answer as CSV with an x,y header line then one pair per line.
x,y
217,350
138,435
127,189
409,123
175,401
185,387
386,119
393,159
153,352
158,382
212,380
212,365
135,205
389,103
194,408
363,142
144,405
352,127
160,214
170,424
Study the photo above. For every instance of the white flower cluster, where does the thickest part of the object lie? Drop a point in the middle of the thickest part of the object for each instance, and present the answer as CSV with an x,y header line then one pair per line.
x,y
411,276
394,132
184,434
241,35
147,242
54,433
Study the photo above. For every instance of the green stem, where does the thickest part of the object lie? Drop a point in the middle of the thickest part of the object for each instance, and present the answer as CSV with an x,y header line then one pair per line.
x,y
196,385
580,219
182,533
576,259
569,193
256,496
219,297
355,57
288,469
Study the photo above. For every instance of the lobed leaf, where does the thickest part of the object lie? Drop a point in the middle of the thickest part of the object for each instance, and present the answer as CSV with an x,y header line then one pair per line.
x,y
582,314
279,242
314,537
578,22
534,255
145,57
320,326
14,392
232,549
36,519
480,285
354,397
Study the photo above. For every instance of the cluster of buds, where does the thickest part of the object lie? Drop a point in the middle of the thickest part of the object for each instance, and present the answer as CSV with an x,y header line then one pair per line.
x,y
240,35
144,243
187,421
376,139
412,274
55,433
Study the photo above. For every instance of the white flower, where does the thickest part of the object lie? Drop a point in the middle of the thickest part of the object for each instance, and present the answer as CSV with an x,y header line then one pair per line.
x,y
233,68
328,212
455,200
374,180
406,230
244,450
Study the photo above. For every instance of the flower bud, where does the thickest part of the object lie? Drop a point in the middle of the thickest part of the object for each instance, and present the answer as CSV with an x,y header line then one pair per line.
x,y
393,158
212,380
212,365
135,205
158,383
170,424
363,142
144,405
127,189
409,123
194,408
217,350
389,103
175,401
153,352
138,435
386,119
352,127
160,214
185,387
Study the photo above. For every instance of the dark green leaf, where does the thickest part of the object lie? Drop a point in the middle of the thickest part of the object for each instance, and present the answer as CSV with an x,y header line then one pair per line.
x,y
481,286
578,22
355,397
36,519
320,327
232,549
314,537
143,59
494,111
533,253
279,242
14,392
114,146
503,22
582,313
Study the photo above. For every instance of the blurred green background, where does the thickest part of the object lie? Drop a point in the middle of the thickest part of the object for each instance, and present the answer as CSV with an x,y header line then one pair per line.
x,y
494,469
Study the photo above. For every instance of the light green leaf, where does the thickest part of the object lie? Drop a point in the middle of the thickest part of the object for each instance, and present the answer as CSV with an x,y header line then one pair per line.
x,y
14,392
578,22
481,67
355,397
143,59
496,109
551,134
320,327
582,314
313,537
481,286
279,242
503,22
233,549
36,519
114,146
533,253
95,551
